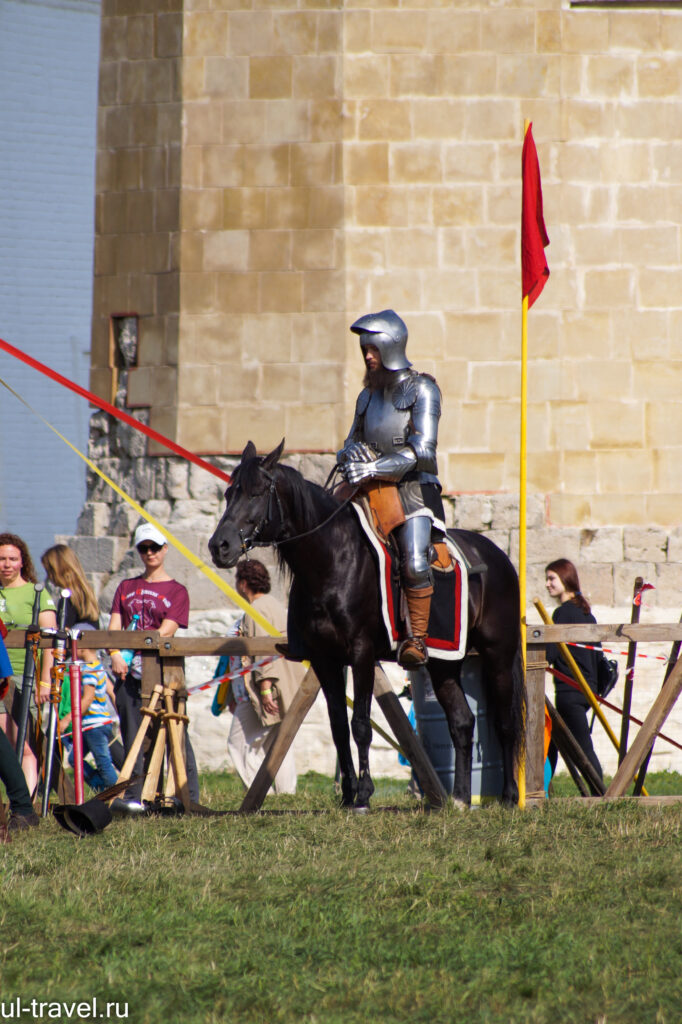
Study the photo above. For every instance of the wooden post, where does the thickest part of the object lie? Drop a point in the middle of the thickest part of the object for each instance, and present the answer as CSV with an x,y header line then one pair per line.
x,y
535,721
629,673
286,731
660,710
408,739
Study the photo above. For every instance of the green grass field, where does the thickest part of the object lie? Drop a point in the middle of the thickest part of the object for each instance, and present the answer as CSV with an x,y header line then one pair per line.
x,y
306,913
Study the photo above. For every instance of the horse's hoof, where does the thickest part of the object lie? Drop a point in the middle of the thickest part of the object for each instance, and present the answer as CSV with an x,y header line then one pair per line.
x,y
460,805
361,810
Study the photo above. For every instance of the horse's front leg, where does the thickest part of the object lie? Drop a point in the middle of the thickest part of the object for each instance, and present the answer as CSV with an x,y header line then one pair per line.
x,y
363,686
333,685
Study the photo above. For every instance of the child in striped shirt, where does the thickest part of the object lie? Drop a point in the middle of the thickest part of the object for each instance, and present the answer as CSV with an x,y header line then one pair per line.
x,y
96,719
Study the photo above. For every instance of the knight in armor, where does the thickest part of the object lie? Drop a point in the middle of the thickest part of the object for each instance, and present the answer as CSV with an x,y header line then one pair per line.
x,y
394,437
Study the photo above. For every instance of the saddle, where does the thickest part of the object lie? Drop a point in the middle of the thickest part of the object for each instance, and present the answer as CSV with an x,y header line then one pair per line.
x,y
382,506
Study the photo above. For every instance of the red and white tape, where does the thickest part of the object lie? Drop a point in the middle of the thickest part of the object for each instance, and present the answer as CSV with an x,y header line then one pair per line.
x,y
610,650
232,675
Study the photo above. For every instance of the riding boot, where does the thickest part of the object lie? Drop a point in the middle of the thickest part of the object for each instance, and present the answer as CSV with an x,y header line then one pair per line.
x,y
412,652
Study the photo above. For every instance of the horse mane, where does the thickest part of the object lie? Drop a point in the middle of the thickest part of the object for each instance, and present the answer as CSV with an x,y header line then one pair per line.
x,y
308,503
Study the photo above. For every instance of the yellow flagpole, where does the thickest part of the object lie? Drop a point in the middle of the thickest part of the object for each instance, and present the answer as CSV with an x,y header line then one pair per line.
x,y
522,501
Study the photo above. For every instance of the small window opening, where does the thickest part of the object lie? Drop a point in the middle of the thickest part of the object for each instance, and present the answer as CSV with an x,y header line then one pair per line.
x,y
123,339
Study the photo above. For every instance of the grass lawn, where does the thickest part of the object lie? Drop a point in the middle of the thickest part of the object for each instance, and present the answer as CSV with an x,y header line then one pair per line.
x,y
306,913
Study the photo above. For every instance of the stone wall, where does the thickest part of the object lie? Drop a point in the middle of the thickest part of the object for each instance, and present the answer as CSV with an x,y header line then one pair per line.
x,y
267,173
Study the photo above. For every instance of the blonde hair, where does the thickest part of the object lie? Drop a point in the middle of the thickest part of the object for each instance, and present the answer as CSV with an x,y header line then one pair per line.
x,y
64,569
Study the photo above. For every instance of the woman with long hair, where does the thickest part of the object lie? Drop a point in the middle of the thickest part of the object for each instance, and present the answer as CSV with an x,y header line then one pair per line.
x,y
562,583
64,569
17,596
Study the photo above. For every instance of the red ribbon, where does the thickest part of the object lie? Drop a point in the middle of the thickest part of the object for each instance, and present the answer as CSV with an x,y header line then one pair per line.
x,y
607,704
637,599
113,411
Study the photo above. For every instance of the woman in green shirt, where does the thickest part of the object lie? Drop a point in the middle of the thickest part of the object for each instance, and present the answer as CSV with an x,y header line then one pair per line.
x,y
17,594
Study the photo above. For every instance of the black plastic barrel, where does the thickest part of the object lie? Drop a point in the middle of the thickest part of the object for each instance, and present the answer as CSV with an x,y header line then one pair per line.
x,y
432,728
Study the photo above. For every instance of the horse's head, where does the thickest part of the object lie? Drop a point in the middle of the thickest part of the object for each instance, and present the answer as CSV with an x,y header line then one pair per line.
x,y
252,505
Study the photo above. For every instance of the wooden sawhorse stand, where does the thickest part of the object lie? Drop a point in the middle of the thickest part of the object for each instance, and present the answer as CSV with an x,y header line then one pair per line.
x,y
165,715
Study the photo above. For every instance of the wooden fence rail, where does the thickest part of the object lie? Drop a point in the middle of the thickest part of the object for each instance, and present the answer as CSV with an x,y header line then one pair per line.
x,y
156,649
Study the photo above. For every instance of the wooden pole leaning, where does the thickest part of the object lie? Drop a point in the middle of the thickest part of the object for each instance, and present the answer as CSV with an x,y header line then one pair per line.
x,y
573,755
148,715
285,733
660,710
672,661
298,709
408,739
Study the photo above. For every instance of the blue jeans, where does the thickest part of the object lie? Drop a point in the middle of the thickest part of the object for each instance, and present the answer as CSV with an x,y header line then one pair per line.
x,y
96,742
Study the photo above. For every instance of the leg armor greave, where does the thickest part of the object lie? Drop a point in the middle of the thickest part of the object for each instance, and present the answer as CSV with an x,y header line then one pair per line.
x,y
414,542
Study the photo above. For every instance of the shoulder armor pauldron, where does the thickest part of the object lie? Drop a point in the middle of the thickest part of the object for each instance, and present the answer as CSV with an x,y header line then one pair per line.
x,y
404,394
407,391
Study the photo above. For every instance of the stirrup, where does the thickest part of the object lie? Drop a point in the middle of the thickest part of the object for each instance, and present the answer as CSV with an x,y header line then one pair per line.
x,y
412,652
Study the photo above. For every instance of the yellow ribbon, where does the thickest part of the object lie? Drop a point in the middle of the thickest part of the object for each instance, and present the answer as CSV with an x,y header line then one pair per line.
x,y
194,559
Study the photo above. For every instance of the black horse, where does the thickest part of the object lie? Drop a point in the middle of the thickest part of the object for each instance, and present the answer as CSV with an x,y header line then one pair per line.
x,y
334,607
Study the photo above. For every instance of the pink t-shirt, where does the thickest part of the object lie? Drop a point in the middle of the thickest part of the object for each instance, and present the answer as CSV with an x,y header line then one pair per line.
x,y
152,601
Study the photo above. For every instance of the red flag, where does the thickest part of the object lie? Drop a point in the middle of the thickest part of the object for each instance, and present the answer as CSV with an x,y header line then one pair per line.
x,y
534,238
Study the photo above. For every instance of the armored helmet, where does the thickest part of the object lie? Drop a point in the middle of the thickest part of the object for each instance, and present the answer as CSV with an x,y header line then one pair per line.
x,y
388,332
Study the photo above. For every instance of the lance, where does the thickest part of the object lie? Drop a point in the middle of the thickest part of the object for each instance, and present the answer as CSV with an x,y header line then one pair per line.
x,y
59,638
31,648
76,718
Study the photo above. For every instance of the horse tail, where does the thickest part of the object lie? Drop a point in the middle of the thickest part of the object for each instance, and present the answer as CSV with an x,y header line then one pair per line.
x,y
518,705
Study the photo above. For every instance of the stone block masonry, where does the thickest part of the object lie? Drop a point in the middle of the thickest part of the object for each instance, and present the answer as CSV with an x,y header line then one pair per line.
x,y
266,174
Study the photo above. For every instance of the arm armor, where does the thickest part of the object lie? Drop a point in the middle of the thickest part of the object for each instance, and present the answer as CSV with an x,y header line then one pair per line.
x,y
394,466
422,396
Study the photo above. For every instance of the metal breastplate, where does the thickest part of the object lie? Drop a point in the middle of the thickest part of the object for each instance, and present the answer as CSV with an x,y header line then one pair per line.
x,y
385,428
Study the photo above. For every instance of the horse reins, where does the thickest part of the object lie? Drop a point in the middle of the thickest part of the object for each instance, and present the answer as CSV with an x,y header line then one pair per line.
x,y
252,542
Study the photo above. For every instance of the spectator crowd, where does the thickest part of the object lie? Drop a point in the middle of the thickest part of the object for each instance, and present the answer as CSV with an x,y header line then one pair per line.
x,y
111,700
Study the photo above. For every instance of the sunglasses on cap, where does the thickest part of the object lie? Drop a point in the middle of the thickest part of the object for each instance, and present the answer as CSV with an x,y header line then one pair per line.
x,y
144,549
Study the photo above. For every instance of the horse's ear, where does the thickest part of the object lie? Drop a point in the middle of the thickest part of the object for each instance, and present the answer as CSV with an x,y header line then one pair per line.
x,y
273,458
249,452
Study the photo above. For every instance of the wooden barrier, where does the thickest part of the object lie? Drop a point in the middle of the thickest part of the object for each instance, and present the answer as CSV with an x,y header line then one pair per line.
x,y
538,636
163,675
163,656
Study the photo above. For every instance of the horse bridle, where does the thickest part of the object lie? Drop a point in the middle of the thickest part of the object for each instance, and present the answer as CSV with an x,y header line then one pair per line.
x,y
247,543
